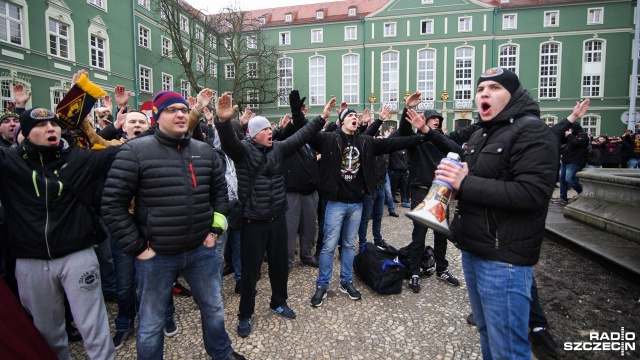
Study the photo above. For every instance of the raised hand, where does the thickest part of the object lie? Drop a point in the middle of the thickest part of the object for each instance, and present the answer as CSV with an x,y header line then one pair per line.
x,y
247,114
366,116
77,76
417,120
122,113
20,96
295,102
106,102
122,96
225,109
204,98
208,115
328,109
383,112
413,100
284,121
343,105
192,102
579,110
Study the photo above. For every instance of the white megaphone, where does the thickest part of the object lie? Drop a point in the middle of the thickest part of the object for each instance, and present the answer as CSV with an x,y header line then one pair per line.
x,y
432,211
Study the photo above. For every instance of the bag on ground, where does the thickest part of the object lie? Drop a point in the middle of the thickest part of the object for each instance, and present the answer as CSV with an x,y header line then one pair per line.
x,y
380,268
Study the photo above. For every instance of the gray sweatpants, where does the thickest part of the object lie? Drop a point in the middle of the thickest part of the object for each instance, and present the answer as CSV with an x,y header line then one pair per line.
x,y
302,217
42,286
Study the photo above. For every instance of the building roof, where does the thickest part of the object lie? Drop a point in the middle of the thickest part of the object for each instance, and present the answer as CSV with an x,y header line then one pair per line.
x,y
526,3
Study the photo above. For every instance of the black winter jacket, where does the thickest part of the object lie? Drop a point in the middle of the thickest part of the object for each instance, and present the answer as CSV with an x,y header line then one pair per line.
x,y
267,199
301,169
45,219
178,184
503,201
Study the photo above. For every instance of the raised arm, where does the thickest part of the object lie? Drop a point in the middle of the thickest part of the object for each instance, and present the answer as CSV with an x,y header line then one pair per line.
x,y
231,145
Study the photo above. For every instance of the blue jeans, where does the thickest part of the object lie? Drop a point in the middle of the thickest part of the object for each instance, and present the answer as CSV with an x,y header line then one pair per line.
x,y
126,290
388,197
233,240
568,178
500,297
339,219
155,279
372,206
633,163
107,271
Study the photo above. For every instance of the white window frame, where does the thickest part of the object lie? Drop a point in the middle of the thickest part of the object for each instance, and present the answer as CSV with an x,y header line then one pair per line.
x,y
591,123
262,20
185,88
591,12
284,38
184,23
167,46
389,29
317,80
509,21
199,63
163,12
351,78
99,29
390,78
100,4
144,38
593,68
317,36
352,11
167,82
319,15
253,95
145,86
146,4
549,15
229,71
23,23
213,69
187,53
463,73
550,120
288,17
285,80
426,29
252,70
346,33
252,42
463,21
427,2
426,75
199,33
56,93
213,42
547,67
59,38
97,50
510,60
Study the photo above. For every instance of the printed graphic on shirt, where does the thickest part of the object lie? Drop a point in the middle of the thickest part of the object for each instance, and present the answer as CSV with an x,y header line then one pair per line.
x,y
350,163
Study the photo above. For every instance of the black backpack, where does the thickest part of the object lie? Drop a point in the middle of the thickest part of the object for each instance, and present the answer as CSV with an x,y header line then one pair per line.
x,y
380,268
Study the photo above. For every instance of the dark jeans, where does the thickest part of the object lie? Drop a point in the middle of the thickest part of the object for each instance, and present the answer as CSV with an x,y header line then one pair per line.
x,y
418,237
537,318
322,207
371,206
400,181
257,236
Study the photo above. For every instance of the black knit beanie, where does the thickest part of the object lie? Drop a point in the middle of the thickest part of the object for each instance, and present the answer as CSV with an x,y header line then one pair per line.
x,y
507,78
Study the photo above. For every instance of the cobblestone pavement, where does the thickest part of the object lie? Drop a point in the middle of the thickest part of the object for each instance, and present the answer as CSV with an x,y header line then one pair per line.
x,y
428,325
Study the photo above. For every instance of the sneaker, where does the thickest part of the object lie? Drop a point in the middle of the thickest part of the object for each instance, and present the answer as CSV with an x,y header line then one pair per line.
x,y
559,201
382,243
321,294
414,284
181,290
393,214
448,278
405,205
470,320
244,327
349,288
545,340
170,328
121,337
284,311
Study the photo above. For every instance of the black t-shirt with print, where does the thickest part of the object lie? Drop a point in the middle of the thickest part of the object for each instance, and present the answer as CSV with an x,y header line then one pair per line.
x,y
351,186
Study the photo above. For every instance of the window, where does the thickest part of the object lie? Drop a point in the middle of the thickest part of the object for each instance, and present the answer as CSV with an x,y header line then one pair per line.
x,y
228,43
508,57
97,51
352,11
143,37
185,88
551,18
319,15
549,70
58,39
464,24
167,46
595,16
145,79
199,33
317,80
389,29
252,70
213,69
184,23
509,21
427,1
285,38
145,4
57,94
167,82
11,23
426,27
550,120
253,98
463,72
287,17
186,52
350,33
229,71
350,78
389,80
212,42
252,42
285,80
316,35
200,63
590,124
164,12
102,4
427,74
592,68
262,20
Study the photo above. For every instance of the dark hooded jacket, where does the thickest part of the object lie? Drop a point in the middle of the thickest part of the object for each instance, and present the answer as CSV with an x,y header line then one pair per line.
x,y
576,144
503,201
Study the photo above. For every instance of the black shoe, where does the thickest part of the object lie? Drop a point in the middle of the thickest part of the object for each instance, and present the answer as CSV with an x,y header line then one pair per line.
x,y
237,288
121,337
393,214
235,356
321,294
350,289
170,328
244,327
414,284
470,320
382,243
110,297
228,269
313,262
73,334
448,278
181,290
545,340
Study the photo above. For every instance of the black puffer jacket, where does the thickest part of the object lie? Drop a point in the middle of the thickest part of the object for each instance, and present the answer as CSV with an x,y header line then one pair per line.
x,y
575,145
178,184
503,201
45,219
267,199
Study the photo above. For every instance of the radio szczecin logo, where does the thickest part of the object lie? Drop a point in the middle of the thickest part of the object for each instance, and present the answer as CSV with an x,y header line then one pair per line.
x,y
606,341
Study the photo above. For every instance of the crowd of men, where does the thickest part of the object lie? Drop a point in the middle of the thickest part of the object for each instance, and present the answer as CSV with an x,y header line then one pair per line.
x,y
124,209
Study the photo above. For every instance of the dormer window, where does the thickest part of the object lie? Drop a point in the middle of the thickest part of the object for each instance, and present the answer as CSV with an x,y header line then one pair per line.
x,y
352,11
320,14
262,20
287,17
